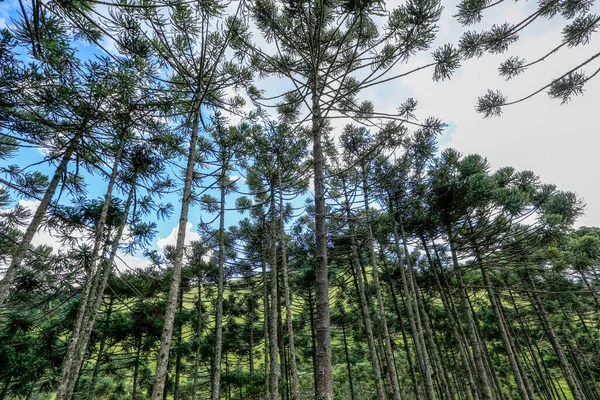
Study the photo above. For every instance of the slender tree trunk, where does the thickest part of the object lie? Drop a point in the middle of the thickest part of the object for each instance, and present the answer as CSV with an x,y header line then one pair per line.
x,y
348,366
265,317
162,361
454,323
526,334
251,352
411,366
412,309
354,261
568,373
519,373
215,391
288,301
105,273
20,252
136,367
313,334
198,338
440,370
178,357
274,320
77,347
480,372
388,351
93,276
324,382
96,372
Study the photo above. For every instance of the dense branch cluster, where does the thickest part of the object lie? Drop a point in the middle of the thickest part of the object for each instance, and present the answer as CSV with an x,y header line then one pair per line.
x,y
338,251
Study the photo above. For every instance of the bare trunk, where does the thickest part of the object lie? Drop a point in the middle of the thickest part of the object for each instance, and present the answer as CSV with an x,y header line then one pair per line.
x,y
70,369
162,361
198,338
480,371
136,368
324,383
215,392
454,323
367,323
576,390
350,382
265,316
90,395
274,320
288,301
178,358
412,309
388,352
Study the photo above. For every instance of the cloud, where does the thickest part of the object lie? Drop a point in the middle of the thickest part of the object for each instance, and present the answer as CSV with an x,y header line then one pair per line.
x,y
557,142
171,239
43,236
123,261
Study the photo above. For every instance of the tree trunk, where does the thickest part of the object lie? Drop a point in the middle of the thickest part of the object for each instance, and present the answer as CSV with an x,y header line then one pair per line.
x,y
274,320
526,334
288,301
70,370
411,366
354,261
96,293
178,357
347,359
313,335
198,338
576,390
215,391
459,336
324,383
480,372
388,351
136,367
421,351
20,252
162,361
265,316
90,395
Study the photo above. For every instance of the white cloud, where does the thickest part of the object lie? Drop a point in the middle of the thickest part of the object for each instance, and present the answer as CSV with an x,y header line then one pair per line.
x,y
43,236
125,262
557,142
190,236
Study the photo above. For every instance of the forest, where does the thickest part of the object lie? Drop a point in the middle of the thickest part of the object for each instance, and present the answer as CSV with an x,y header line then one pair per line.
x,y
325,246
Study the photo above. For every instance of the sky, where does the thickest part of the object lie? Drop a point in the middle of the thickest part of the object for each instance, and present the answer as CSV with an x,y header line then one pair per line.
x,y
558,142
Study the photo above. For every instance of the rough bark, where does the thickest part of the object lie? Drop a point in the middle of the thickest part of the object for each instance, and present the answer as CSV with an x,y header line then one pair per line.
x,y
324,383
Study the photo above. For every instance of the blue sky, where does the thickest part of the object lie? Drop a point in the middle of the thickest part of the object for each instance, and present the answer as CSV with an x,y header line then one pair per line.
x,y
558,142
